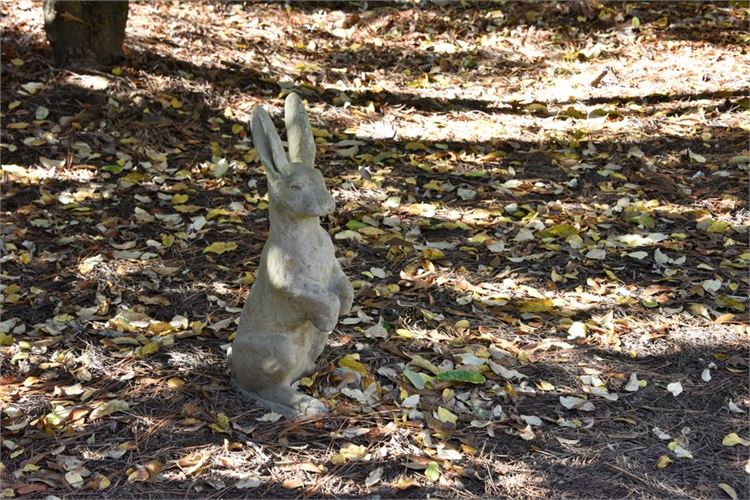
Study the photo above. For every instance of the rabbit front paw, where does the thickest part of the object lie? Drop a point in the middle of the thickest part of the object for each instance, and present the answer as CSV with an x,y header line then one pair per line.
x,y
346,298
326,317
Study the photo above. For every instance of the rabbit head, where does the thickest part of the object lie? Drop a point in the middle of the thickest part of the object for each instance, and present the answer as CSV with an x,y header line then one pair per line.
x,y
295,186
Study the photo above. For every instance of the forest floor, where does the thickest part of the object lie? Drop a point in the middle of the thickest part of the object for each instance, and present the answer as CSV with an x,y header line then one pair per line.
x,y
549,204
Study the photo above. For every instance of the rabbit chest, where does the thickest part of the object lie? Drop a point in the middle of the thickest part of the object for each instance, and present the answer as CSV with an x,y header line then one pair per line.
x,y
307,256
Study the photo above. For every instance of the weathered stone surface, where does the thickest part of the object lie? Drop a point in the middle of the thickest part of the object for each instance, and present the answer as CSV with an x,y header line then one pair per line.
x,y
300,290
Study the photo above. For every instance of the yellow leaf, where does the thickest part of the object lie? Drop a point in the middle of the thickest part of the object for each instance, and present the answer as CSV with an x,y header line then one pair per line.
x,y
220,247
319,132
404,483
159,327
510,390
216,212
433,254
167,240
138,475
134,177
536,306
175,383
351,361
222,420
544,385
718,226
370,231
179,199
117,71
175,103
662,22
247,278
725,318
237,128
446,416
425,363
469,449
663,461
353,451
102,482
338,459
732,439
187,209
462,323
404,333
415,146
148,349
217,428
109,407
6,339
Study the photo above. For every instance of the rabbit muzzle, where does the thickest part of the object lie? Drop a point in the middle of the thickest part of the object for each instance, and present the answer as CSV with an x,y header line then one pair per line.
x,y
329,206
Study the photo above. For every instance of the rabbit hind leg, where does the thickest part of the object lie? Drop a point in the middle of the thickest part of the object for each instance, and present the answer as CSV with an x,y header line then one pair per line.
x,y
259,361
263,369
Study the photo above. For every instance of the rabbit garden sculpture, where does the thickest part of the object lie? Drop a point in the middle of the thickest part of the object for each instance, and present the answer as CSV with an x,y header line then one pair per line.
x,y
300,290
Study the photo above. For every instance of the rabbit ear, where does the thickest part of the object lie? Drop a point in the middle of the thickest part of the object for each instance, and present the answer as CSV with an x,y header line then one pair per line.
x,y
267,142
298,131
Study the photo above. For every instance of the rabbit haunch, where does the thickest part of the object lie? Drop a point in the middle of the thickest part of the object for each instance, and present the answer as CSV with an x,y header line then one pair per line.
x,y
300,290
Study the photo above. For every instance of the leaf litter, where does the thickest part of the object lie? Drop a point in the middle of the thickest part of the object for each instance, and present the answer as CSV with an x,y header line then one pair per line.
x,y
544,246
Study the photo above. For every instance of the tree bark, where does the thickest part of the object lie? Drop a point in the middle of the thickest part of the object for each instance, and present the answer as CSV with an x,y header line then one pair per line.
x,y
85,32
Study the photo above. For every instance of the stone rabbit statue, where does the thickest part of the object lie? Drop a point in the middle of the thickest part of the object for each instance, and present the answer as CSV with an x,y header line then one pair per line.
x,y
300,290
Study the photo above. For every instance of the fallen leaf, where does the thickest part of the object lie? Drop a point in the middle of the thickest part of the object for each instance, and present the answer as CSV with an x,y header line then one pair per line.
x,y
432,472
250,482
376,331
732,439
633,383
353,451
465,376
675,388
661,434
445,416
576,403
663,461
728,490
374,477
404,483
74,479
577,330
735,409
220,247
531,419
678,450
111,406
89,264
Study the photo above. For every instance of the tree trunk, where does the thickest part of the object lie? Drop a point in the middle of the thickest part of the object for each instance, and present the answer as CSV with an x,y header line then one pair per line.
x,y
85,32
